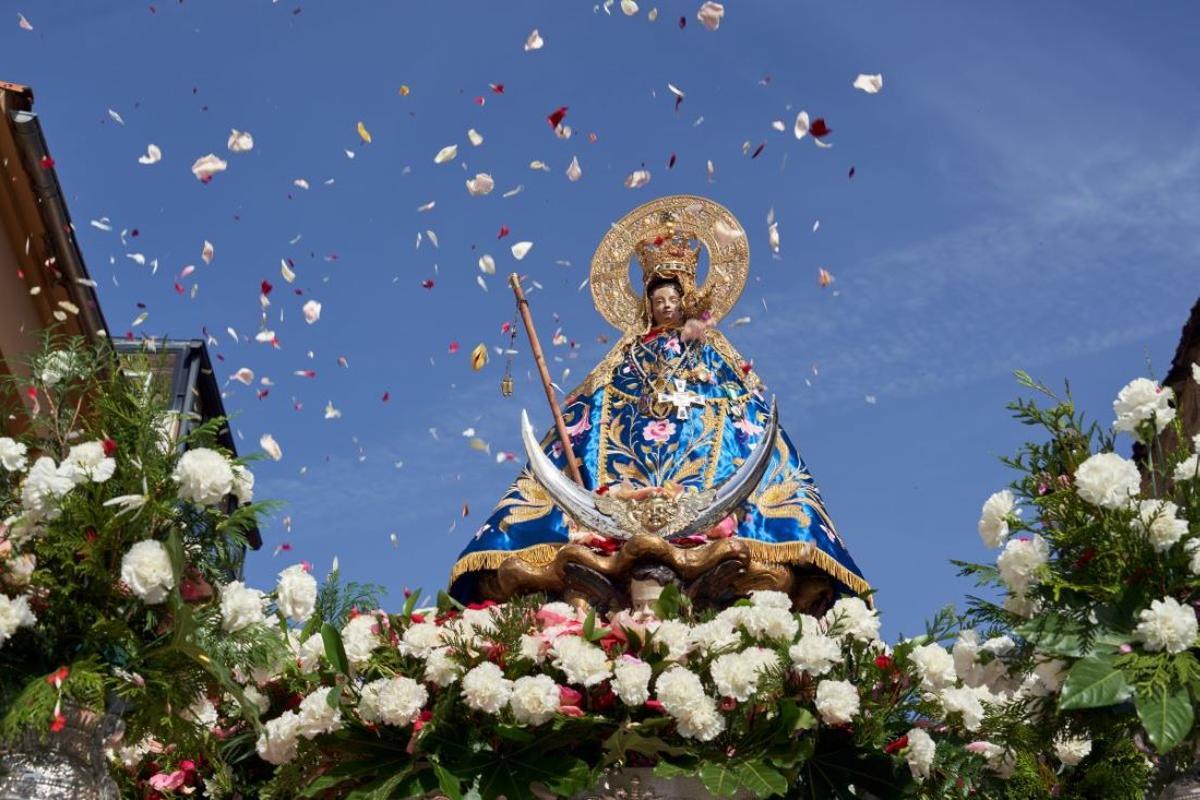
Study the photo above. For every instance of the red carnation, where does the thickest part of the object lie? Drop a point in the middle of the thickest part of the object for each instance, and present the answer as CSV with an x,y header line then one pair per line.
x,y
896,745
110,448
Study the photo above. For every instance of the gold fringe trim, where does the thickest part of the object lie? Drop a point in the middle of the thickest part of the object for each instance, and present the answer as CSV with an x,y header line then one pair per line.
x,y
539,555
771,553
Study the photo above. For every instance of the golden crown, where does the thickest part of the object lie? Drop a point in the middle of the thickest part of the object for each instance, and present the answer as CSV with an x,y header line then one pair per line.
x,y
669,254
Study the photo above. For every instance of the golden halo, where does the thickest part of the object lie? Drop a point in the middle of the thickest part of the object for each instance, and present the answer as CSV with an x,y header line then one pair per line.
x,y
713,224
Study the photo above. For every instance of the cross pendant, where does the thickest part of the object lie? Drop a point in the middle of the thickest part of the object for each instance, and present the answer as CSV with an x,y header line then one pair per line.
x,y
681,398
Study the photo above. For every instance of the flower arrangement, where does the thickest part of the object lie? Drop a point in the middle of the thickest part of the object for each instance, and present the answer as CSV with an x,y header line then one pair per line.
x,y
120,592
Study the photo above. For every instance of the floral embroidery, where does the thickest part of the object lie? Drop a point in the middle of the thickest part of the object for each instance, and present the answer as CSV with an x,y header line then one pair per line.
x,y
748,428
658,431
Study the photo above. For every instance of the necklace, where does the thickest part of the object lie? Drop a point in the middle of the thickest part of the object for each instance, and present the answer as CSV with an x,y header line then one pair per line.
x,y
659,377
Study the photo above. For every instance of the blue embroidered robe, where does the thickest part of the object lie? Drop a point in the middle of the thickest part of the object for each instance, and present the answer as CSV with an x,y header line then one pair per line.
x,y
617,439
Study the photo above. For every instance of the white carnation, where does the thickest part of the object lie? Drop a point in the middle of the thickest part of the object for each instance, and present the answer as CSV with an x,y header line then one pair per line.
x,y
1188,469
12,454
675,636
770,622
764,598
851,616
44,485
935,665
920,753
393,701
87,462
682,696
296,594
1071,751
815,654
146,570
485,688
1020,561
204,476
310,652
993,519
317,716
1022,605
243,484
1167,625
20,570
966,701
14,614
1143,400
715,636
737,675
441,669
534,700
1192,548
421,639
1107,480
837,701
532,648
1157,519
256,698
581,661
241,607
631,680
360,637
202,712
277,743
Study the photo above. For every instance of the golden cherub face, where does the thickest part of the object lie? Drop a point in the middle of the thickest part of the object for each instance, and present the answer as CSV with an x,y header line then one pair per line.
x,y
666,305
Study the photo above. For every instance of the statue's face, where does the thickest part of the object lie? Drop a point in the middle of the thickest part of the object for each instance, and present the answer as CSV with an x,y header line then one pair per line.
x,y
666,306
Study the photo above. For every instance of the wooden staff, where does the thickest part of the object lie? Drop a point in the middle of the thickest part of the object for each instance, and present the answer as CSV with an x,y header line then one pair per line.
x,y
514,280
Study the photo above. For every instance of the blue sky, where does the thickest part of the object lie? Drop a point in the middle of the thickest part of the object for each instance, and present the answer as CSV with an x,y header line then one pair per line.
x,y
1025,194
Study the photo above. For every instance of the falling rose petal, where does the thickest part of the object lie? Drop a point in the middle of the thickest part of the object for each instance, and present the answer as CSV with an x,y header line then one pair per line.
x,y
23,23
629,7
186,271
331,412
671,162
446,154
480,185
778,125
364,133
206,252
816,226
653,15
497,88
821,143
312,311
305,373
103,224
487,264
207,166
574,171
534,41
404,90
474,137
555,117
265,336
240,141
801,126
265,287
871,84
285,269
740,321
433,238
153,155
712,171
520,249
824,278
819,128
482,283
850,174
453,348
503,232
427,207
479,357
758,150
637,179
139,319
540,165
427,284
303,184
244,375
513,192
710,15
270,446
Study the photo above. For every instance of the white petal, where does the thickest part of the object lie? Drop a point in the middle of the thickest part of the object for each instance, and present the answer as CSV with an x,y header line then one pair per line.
x,y
115,117
534,42
240,141
676,91
710,15
629,7
539,165
487,264
244,375
480,185
303,184
482,283
574,171
207,166
475,137
206,252
312,311
801,127
286,271
446,154
153,155
272,448
637,179
871,84
520,249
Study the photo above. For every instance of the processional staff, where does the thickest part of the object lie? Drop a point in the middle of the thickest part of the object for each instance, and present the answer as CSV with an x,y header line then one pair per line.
x,y
514,280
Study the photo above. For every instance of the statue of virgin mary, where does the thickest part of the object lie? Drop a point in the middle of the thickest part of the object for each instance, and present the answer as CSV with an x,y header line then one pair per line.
x,y
685,476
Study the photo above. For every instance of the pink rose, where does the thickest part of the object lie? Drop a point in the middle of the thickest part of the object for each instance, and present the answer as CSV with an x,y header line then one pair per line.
x,y
165,782
659,431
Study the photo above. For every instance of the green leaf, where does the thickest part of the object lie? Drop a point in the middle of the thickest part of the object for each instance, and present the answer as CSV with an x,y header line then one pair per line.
x,y
334,651
1094,682
1167,715
382,789
1056,634
448,782
720,779
761,779
445,602
589,625
669,602
665,769
411,603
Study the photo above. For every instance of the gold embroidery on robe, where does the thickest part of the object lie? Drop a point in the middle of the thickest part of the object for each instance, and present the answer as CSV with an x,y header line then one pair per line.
x,y
526,501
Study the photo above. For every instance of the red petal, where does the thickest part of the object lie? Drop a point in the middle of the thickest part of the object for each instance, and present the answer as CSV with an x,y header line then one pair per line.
x,y
266,287
682,23
818,128
557,116
110,448
758,150
503,232
387,396
497,88
47,162
428,284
